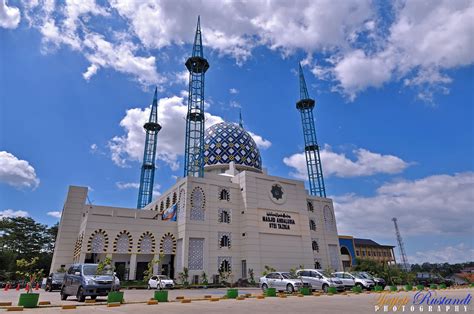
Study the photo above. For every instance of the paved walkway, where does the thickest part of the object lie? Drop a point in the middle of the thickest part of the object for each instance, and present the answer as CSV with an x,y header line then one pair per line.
x,y
351,303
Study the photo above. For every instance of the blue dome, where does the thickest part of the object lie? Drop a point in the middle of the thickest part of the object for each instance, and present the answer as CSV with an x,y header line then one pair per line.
x,y
225,142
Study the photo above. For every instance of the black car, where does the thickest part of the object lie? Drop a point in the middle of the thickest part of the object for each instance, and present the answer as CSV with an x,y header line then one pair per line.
x,y
426,279
54,282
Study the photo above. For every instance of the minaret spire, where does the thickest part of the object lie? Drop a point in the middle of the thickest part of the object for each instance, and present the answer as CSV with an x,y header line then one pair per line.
x,y
313,160
197,66
241,122
147,177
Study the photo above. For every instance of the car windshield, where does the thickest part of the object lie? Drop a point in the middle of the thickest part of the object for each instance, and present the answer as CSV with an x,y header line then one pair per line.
x,y
163,277
91,270
326,274
289,276
58,276
366,275
358,276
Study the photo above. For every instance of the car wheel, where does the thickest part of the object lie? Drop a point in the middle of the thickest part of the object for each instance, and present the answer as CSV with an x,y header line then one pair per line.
x,y
264,287
360,285
325,288
63,295
80,295
290,288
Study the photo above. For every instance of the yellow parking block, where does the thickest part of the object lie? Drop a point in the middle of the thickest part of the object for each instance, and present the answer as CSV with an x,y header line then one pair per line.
x,y
68,307
113,304
44,303
5,303
152,302
89,301
260,297
180,297
240,298
207,296
185,300
214,299
14,308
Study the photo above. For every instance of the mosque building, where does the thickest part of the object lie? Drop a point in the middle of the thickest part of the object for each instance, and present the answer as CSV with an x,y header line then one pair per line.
x,y
226,215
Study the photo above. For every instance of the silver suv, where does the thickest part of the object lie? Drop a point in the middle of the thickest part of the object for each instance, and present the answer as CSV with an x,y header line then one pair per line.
x,y
355,279
282,282
320,279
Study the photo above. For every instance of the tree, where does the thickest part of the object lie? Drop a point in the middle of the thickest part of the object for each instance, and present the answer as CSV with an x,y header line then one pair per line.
x,y
23,235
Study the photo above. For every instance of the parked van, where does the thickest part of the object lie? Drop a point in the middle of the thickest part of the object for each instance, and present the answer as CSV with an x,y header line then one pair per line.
x,y
82,280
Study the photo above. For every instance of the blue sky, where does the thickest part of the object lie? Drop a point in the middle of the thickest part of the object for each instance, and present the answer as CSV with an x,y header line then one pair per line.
x,y
392,84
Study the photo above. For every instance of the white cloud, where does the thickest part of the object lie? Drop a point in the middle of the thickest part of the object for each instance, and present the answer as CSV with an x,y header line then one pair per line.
x,y
9,16
233,91
260,141
366,164
127,185
442,31
358,44
438,204
459,253
16,172
235,104
13,213
55,214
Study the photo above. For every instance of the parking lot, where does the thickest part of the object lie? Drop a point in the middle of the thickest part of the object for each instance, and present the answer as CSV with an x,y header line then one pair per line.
x,y
339,303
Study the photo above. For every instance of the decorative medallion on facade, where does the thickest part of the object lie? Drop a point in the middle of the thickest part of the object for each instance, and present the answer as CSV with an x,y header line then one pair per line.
x,y
98,242
195,254
123,242
198,203
225,142
146,243
277,193
168,244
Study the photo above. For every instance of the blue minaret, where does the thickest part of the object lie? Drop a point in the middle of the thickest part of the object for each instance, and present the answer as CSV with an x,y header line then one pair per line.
x,y
145,193
311,149
194,142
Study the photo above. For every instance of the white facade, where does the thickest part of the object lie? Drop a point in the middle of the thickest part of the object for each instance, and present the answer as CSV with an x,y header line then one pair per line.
x,y
225,218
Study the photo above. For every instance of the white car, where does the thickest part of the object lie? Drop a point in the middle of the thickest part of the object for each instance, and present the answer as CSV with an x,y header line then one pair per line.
x,y
160,282
355,279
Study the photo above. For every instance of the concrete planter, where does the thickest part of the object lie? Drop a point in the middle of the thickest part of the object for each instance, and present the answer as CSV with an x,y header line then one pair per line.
x,y
232,293
115,297
28,300
161,296
305,291
271,292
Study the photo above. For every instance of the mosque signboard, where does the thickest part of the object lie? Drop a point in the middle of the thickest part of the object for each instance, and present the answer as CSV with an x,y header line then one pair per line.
x,y
272,221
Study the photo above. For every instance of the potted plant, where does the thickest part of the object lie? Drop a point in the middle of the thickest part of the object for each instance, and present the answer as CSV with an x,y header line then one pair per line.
x,y
204,280
27,269
105,267
184,277
159,295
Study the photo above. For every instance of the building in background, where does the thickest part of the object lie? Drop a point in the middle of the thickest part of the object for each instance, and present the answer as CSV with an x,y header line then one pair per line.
x,y
352,248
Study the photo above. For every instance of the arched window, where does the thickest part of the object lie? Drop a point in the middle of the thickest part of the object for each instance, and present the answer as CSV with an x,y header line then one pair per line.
x,y
317,265
225,266
225,241
224,216
146,244
123,242
168,244
98,242
175,198
329,219
168,202
156,207
162,206
198,203
312,225
310,206
224,195
315,246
